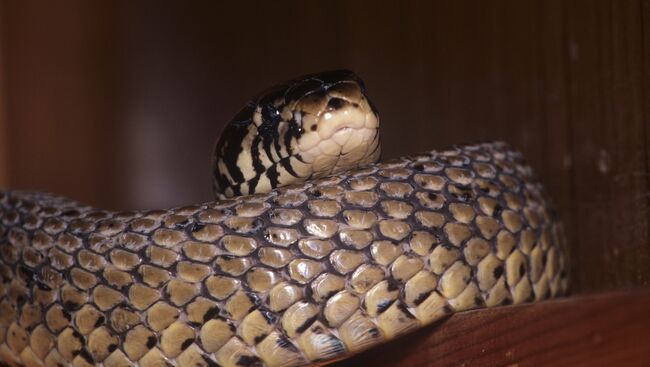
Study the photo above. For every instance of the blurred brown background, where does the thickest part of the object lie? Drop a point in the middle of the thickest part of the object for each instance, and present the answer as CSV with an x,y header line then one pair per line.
x,y
118,103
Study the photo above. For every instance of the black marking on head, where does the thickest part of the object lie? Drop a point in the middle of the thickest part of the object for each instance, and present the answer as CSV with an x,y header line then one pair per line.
x,y
522,270
272,174
228,149
236,189
256,157
270,136
112,348
294,131
497,272
252,184
286,164
270,116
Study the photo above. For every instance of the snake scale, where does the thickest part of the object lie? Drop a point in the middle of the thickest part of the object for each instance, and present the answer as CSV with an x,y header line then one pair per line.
x,y
329,254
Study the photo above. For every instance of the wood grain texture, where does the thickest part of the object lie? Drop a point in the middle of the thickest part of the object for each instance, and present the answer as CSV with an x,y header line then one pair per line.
x,y
4,159
63,128
608,158
121,105
597,330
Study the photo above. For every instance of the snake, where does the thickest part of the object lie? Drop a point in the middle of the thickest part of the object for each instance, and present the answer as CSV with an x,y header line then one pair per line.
x,y
312,251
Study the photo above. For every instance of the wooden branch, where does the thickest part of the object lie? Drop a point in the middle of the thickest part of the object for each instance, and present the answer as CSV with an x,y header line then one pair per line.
x,y
597,330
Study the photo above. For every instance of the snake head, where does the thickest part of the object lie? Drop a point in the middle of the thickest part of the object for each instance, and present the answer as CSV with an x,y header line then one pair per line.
x,y
313,126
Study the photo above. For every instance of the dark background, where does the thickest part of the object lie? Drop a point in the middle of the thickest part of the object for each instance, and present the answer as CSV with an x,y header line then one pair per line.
x,y
118,103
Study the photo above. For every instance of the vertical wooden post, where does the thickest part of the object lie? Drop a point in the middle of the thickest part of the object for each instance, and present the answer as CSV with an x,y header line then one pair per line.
x,y
4,159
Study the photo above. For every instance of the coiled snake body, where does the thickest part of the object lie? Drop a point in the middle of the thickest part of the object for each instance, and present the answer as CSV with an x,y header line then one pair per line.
x,y
308,273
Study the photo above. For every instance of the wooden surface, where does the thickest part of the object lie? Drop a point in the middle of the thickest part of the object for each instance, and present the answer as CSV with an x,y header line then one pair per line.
x,y
118,103
601,330
4,159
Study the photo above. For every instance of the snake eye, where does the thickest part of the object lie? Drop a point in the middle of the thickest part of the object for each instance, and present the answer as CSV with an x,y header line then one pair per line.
x,y
271,114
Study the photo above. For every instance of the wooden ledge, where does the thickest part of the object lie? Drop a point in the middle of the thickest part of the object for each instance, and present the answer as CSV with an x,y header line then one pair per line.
x,y
611,329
